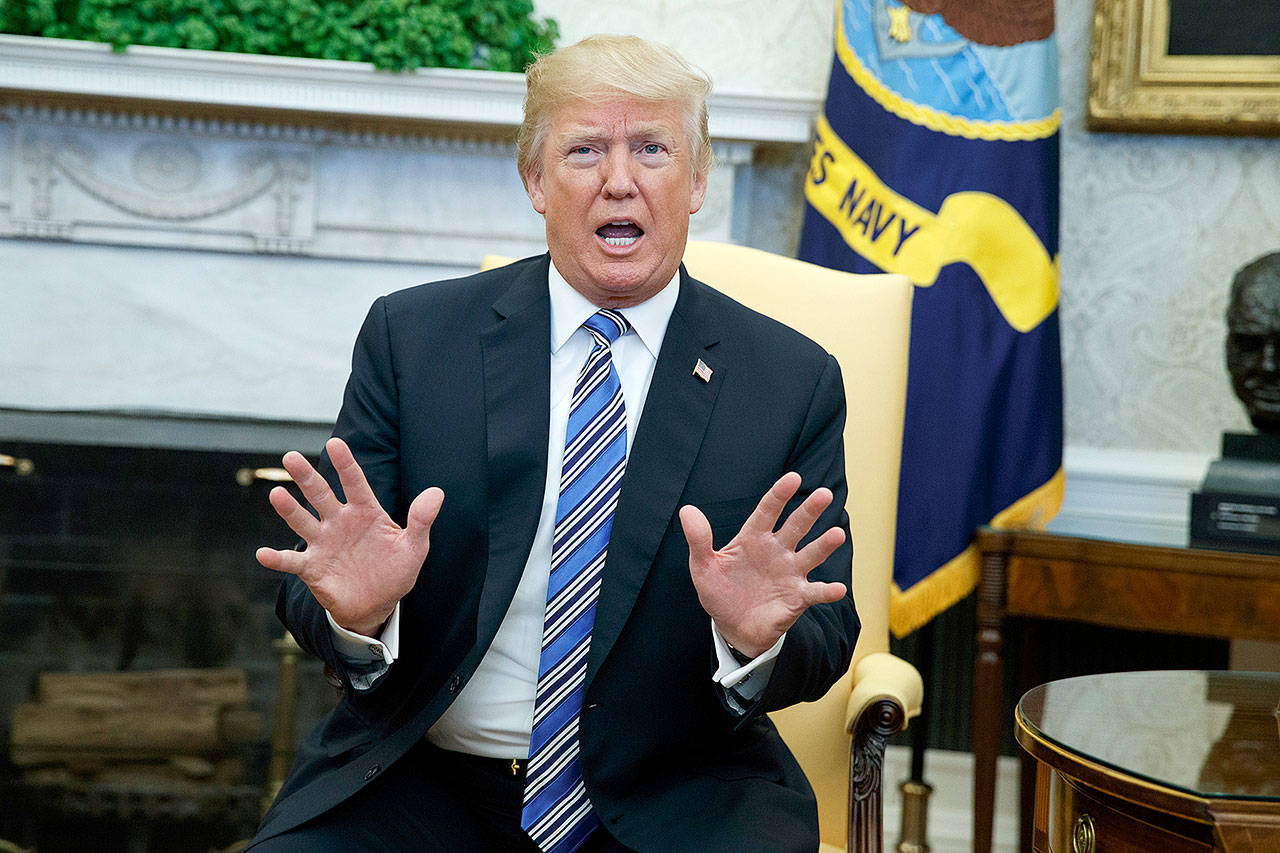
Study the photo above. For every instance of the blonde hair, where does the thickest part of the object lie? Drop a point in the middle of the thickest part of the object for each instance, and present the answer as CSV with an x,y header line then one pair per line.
x,y
604,66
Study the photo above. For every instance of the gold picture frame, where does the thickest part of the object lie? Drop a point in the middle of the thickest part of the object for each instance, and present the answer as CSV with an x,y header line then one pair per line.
x,y
1136,85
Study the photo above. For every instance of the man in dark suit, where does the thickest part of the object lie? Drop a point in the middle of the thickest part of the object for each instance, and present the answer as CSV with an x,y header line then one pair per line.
x,y
539,559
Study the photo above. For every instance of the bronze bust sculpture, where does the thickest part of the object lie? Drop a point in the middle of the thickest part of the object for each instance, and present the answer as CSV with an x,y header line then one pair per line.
x,y
1253,341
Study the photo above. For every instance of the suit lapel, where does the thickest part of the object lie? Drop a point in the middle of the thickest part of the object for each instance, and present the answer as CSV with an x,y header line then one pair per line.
x,y
517,410
667,441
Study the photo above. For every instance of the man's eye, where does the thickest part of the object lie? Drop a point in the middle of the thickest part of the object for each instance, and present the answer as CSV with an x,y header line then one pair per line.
x,y
653,148
582,149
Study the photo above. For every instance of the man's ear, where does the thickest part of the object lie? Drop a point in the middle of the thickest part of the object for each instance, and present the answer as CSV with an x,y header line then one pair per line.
x,y
533,186
699,194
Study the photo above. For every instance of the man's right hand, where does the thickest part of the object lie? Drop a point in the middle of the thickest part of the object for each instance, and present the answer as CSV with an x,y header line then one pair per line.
x,y
358,562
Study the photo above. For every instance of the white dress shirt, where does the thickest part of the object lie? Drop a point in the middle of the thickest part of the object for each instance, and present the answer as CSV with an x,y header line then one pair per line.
x,y
493,714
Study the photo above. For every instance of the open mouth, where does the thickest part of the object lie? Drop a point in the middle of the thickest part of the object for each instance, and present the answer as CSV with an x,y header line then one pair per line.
x,y
1263,390
621,233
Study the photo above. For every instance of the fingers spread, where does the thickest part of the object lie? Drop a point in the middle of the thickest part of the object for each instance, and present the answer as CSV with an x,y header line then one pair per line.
x,y
801,520
287,507
422,514
819,549
350,474
697,532
821,592
313,486
764,518
281,561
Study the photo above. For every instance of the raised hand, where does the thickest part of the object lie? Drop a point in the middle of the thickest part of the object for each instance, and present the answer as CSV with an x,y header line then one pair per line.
x,y
757,585
358,562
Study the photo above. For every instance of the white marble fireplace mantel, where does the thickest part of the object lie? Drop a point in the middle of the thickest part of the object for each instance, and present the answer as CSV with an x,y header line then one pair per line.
x,y
202,232
233,152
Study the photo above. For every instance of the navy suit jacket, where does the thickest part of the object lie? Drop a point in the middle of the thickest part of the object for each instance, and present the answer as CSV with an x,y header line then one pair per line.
x,y
450,387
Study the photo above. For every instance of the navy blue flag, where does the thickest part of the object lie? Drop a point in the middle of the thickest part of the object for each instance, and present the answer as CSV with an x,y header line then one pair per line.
x,y
937,157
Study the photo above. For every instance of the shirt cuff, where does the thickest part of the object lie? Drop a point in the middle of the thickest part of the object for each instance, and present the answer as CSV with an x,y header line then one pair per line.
x,y
361,650
747,680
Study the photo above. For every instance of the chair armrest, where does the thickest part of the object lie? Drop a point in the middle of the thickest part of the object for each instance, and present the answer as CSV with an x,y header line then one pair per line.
x,y
881,675
886,692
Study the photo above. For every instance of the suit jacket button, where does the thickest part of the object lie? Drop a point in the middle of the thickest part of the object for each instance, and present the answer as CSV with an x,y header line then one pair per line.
x,y
371,772
455,684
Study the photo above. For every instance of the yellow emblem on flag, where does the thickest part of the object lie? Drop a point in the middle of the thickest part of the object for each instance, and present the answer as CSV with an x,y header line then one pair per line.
x,y
898,235
900,24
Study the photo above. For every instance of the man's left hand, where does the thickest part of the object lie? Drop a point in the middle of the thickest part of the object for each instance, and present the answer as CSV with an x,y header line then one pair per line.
x,y
756,586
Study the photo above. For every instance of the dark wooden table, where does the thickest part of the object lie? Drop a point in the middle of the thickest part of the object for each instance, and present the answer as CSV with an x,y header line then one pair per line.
x,y
1170,761
1141,587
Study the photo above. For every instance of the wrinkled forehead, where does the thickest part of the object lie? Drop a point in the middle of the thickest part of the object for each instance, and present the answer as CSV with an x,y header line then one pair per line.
x,y
612,109
586,126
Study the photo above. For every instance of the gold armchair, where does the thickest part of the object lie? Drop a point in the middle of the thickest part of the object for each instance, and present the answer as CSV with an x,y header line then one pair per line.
x,y
864,321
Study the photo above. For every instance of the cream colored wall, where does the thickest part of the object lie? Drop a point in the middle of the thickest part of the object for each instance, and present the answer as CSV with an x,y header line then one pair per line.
x,y
1153,226
780,46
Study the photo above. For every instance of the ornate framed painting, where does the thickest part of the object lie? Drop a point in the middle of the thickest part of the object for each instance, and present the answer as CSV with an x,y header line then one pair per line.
x,y
1185,66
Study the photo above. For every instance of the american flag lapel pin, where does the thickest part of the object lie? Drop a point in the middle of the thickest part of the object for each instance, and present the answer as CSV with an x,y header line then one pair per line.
x,y
701,371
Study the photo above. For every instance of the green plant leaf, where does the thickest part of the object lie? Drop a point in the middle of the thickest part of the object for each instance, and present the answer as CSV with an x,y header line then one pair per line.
x,y
395,35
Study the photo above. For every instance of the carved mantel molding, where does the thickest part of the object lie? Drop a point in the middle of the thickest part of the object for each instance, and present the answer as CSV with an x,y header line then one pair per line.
x,y
231,152
324,92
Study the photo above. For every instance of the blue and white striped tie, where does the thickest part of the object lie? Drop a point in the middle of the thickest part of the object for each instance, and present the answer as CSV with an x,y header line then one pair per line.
x,y
557,814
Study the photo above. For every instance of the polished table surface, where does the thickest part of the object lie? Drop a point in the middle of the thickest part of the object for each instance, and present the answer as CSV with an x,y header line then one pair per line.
x,y
1195,755
1141,587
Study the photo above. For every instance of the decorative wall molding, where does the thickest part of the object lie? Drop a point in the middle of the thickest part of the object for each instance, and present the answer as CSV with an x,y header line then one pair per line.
x,y
155,194
138,186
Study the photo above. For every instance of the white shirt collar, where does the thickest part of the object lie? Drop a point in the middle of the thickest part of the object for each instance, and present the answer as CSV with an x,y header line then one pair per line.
x,y
570,309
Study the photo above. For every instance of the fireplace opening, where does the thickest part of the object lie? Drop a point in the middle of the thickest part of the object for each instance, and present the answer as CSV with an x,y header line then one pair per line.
x,y
140,650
